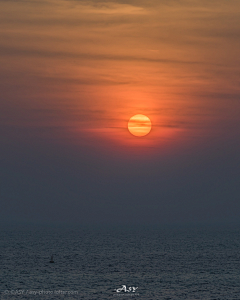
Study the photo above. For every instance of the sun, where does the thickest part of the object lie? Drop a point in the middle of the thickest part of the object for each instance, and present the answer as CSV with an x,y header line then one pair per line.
x,y
139,125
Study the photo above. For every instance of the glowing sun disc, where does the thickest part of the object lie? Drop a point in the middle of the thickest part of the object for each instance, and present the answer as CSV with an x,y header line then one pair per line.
x,y
139,125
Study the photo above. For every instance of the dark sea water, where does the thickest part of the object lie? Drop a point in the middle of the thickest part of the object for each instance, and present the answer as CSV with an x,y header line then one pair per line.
x,y
120,263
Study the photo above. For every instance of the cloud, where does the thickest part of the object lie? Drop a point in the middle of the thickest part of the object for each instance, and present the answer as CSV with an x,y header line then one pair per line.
x,y
7,51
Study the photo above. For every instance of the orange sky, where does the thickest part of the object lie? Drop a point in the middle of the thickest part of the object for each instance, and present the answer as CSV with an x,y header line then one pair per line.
x,y
84,68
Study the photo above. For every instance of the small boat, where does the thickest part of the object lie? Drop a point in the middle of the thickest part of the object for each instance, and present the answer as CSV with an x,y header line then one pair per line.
x,y
52,261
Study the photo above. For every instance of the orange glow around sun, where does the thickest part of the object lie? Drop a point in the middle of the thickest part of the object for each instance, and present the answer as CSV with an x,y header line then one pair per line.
x,y
139,125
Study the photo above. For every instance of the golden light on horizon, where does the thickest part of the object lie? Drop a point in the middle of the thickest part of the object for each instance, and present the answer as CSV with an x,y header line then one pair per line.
x,y
139,125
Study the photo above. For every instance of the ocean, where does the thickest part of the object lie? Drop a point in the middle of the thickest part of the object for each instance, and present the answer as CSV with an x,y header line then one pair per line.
x,y
120,263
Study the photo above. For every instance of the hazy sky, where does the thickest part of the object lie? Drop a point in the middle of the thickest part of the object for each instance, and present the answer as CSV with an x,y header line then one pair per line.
x,y
73,73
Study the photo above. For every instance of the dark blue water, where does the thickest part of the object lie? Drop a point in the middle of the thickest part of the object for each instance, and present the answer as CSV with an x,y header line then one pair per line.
x,y
120,263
